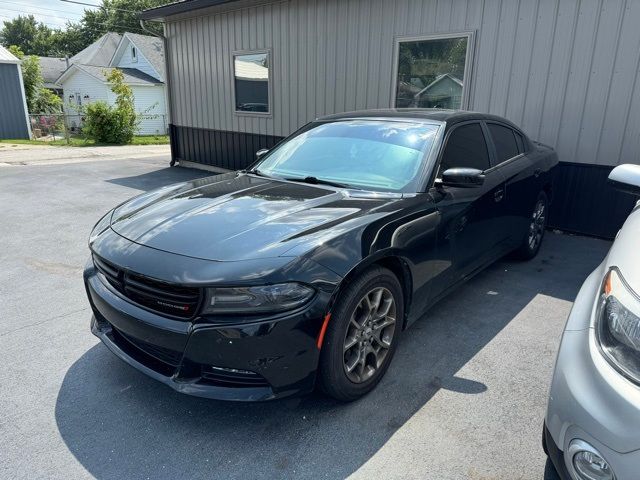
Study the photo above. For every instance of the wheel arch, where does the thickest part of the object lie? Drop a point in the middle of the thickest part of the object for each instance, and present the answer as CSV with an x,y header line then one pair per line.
x,y
392,261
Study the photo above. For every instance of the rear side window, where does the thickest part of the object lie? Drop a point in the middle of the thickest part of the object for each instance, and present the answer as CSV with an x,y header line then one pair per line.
x,y
520,140
504,140
466,147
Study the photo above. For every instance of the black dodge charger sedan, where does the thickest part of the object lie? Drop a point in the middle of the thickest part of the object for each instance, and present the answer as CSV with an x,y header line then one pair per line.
x,y
306,268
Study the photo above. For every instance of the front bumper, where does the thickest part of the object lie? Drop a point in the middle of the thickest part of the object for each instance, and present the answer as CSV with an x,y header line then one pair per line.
x,y
261,360
589,400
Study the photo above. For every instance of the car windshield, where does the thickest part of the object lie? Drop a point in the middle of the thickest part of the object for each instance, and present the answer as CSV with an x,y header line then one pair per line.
x,y
367,154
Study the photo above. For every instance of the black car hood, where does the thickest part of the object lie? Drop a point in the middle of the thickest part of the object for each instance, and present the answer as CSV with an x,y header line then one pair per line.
x,y
239,217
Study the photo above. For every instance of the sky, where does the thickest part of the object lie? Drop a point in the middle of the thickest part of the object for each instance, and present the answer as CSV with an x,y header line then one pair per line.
x,y
54,13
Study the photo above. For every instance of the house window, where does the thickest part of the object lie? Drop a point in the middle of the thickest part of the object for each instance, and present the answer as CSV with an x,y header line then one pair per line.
x,y
134,54
432,71
251,82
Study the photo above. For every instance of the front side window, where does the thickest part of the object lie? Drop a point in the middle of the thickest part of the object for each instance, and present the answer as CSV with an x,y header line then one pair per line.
x,y
504,141
466,148
369,154
431,72
251,82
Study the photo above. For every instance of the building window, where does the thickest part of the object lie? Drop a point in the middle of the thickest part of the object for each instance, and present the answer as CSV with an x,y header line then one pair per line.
x,y
251,82
134,54
432,71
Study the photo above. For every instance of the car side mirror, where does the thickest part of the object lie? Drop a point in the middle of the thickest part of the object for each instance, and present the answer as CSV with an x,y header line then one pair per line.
x,y
462,177
626,178
261,153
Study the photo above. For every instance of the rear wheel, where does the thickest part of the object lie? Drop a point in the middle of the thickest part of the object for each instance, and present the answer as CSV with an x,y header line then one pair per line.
x,y
362,335
535,231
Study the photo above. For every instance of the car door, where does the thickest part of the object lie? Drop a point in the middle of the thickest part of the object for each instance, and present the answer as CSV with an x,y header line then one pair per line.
x,y
522,182
471,231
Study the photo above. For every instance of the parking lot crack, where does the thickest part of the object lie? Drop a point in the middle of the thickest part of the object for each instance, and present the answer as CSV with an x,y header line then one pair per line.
x,y
42,321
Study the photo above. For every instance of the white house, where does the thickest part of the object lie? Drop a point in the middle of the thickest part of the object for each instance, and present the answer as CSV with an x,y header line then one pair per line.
x,y
141,60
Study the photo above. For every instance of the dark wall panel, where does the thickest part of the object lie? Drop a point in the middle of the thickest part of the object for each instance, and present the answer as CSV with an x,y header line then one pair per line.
x,y
218,148
584,203
13,120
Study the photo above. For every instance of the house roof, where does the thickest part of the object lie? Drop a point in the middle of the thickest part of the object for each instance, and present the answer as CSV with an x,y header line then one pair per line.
x,y
132,76
180,7
52,68
100,52
151,48
437,80
7,57
250,71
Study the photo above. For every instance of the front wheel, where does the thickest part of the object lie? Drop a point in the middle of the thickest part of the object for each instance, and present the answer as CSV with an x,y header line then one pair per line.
x,y
362,335
535,231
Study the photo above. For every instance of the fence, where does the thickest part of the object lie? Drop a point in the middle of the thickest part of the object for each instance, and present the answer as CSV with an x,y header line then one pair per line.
x,y
56,126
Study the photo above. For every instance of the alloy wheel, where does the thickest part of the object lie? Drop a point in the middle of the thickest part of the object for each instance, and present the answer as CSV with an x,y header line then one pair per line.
x,y
536,227
369,334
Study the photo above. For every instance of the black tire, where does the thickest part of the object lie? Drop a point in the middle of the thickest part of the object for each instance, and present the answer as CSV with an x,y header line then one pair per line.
x,y
534,235
335,359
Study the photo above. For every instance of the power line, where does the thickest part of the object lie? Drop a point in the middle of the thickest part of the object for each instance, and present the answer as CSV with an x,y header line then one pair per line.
x,y
127,28
69,12
58,26
35,13
99,6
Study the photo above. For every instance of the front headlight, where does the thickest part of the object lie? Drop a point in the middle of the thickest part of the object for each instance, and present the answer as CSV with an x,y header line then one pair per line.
x,y
618,327
267,298
101,226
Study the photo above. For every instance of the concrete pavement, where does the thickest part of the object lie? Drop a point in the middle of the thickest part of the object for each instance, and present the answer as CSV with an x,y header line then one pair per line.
x,y
464,397
12,155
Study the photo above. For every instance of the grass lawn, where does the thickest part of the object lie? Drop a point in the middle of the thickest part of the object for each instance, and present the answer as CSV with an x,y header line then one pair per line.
x,y
82,142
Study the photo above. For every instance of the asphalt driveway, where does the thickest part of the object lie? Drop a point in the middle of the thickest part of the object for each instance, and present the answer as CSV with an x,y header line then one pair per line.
x,y
464,397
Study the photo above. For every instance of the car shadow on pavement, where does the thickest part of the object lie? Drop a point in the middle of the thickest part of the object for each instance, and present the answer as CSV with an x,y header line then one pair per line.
x,y
121,424
160,178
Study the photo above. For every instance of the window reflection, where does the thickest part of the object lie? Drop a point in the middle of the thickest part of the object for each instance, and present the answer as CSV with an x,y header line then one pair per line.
x,y
431,73
251,77
371,154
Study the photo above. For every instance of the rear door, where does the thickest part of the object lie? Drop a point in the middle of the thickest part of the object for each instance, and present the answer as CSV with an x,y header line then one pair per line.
x,y
513,161
472,219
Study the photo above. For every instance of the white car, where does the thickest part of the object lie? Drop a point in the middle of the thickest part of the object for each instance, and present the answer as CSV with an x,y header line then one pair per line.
x,y
592,426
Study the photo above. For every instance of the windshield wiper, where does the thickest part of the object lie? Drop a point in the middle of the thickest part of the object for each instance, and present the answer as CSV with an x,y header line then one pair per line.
x,y
257,172
318,181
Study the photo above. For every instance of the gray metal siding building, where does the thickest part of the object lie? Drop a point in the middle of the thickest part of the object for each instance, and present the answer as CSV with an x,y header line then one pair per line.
x,y
13,108
566,71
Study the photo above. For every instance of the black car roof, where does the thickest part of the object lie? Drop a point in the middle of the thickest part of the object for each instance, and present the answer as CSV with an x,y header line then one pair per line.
x,y
435,114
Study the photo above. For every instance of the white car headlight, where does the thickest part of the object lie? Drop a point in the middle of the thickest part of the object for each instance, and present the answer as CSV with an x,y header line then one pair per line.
x,y
248,300
618,325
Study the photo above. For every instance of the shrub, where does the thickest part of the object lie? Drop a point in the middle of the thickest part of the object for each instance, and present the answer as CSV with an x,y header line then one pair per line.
x,y
112,124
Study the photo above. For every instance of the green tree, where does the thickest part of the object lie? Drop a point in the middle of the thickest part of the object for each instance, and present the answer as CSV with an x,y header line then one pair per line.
x,y
31,76
112,16
35,38
112,124
39,98
32,37
47,102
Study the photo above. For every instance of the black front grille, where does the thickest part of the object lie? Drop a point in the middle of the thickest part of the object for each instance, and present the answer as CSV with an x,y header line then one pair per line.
x,y
173,300
126,345
230,377
172,357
